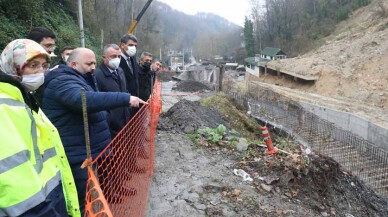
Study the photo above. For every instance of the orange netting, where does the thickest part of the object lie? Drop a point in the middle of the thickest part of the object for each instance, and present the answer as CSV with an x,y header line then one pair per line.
x,y
119,182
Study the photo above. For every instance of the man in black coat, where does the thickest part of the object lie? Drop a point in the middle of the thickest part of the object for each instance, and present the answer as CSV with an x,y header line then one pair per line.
x,y
128,63
145,76
110,78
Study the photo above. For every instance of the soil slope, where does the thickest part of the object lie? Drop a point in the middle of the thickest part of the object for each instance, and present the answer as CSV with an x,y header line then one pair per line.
x,y
197,178
352,63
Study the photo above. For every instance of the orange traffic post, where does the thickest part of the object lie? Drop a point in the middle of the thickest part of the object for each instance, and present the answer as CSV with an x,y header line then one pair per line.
x,y
268,141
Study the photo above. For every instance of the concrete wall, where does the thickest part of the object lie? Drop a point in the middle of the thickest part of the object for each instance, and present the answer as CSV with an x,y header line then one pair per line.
x,y
203,75
357,125
252,75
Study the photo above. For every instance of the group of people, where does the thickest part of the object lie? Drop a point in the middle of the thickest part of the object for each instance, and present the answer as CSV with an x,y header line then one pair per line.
x,y
43,140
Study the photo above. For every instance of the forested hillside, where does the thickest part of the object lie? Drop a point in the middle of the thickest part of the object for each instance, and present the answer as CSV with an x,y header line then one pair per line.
x,y
17,17
105,21
163,28
295,26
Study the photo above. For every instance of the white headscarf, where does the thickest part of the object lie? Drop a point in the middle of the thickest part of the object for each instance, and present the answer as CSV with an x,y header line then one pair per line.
x,y
18,53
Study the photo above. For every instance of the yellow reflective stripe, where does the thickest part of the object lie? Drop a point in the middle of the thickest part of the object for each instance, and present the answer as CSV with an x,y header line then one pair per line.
x,y
13,161
32,201
39,163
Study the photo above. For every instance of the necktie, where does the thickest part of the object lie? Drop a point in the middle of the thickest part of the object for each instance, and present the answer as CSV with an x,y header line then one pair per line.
x,y
115,75
130,65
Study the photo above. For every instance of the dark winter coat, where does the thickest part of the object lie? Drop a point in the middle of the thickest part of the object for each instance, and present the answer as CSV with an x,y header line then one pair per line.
x,y
108,82
146,79
132,76
63,106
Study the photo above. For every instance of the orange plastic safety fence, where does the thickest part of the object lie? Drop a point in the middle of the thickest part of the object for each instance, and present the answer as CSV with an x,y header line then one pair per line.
x,y
96,205
124,168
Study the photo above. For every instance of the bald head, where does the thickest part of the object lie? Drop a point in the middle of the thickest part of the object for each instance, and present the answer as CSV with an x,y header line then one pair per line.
x,y
83,60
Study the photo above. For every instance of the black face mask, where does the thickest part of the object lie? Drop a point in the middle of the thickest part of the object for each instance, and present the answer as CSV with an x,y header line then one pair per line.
x,y
147,66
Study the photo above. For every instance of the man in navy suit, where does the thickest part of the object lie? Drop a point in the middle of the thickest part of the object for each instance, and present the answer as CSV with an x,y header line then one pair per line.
x,y
110,78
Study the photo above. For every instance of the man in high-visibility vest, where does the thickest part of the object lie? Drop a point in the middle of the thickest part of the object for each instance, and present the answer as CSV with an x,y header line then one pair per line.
x,y
35,176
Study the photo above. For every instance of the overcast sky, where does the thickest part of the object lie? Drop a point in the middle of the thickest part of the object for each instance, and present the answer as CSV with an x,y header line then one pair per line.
x,y
232,10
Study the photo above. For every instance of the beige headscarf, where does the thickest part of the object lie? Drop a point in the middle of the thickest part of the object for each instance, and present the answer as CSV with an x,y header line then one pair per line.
x,y
17,54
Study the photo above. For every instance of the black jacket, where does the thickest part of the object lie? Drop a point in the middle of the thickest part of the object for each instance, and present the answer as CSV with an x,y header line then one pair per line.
x,y
146,80
132,76
107,82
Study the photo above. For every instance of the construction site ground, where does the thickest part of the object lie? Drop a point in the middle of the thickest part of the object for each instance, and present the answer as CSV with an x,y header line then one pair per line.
x,y
196,177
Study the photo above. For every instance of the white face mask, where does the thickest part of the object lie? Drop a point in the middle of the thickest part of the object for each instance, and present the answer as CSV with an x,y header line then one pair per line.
x,y
33,81
131,51
65,58
114,63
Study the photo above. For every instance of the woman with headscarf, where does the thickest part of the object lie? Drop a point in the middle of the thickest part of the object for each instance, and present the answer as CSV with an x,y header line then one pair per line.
x,y
35,176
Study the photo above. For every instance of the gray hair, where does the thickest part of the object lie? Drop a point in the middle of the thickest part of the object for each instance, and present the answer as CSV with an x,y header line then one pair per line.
x,y
106,47
156,60
125,38
145,54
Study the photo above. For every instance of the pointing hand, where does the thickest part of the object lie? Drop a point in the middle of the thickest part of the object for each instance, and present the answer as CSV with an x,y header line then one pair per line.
x,y
136,101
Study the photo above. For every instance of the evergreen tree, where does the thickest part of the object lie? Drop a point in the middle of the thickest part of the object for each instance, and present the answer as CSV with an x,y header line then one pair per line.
x,y
248,37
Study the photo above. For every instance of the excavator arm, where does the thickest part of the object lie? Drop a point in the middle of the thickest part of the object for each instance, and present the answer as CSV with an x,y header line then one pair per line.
x,y
134,23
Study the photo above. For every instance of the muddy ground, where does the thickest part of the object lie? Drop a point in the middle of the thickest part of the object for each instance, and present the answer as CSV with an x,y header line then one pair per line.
x,y
191,86
195,177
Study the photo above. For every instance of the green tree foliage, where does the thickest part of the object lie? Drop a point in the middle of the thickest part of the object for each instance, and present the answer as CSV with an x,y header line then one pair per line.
x,y
248,38
105,21
19,16
22,10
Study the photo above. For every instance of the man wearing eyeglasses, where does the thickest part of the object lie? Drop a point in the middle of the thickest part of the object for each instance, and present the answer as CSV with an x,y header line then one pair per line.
x,y
44,37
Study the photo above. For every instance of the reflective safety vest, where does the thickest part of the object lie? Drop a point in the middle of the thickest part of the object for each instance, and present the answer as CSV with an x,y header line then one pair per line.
x,y
32,157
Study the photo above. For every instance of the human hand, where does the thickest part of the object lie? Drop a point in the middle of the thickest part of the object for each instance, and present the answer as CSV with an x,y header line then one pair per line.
x,y
136,101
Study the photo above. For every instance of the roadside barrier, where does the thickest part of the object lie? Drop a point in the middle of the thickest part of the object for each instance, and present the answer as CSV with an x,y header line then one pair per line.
x,y
120,177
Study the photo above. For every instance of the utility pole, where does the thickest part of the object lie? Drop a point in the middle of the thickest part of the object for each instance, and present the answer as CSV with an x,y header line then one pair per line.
x,y
160,54
183,59
221,77
81,23
102,39
132,10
